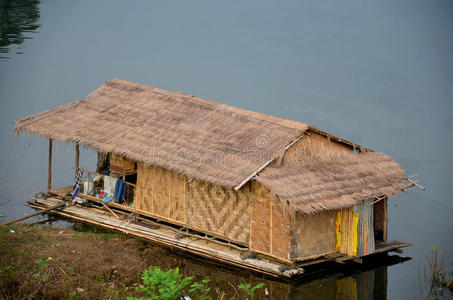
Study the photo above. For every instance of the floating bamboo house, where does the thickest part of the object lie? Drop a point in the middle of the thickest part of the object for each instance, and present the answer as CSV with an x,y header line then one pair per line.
x,y
238,186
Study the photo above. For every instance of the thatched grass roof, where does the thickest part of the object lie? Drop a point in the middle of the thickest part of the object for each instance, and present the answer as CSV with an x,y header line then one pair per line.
x,y
220,144
193,136
317,174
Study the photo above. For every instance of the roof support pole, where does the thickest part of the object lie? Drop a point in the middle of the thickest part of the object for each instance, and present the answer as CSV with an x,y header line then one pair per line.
x,y
49,173
77,155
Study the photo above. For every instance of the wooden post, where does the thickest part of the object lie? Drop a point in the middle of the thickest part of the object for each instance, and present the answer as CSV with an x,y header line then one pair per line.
x,y
271,203
385,229
49,173
77,155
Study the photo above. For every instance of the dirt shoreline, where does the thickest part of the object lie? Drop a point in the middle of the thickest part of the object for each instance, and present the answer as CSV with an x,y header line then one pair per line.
x,y
44,262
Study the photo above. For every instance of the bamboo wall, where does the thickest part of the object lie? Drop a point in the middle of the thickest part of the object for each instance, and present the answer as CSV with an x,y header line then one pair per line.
x,y
198,205
314,234
270,226
253,217
161,193
120,164
220,210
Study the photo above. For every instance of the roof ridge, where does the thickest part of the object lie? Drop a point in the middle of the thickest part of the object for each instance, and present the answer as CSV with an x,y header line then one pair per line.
x,y
211,103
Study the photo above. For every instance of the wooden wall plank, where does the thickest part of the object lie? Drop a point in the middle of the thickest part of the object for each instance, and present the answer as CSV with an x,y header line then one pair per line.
x,y
281,231
261,230
314,234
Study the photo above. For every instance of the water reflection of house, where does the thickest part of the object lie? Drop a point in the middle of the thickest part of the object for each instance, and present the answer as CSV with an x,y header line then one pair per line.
x,y
371,284
242,187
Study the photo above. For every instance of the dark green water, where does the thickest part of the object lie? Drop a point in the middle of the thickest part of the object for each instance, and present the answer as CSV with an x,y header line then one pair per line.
x,y
379,73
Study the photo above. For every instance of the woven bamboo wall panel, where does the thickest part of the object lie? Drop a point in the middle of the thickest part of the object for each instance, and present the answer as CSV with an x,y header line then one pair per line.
x,y
143,196
161,192
161,198
177,187
121,161
261,219
280,231
218,210
143,199
314,234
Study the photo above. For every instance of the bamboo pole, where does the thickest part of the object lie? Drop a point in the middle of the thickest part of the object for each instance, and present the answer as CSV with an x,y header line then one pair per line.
x,y
49,173
236,188
415,184
379,199
271,202
385,220
108,208
96,173
251,218
35,213
77,155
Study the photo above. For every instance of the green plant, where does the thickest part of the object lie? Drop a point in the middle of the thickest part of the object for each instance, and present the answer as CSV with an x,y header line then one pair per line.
x,y
201,289
42,263
41,277
71,271
158,284
99,278
170,285
72,295
249,289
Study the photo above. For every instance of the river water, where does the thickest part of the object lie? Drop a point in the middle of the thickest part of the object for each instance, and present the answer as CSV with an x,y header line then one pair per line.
x,y
379,73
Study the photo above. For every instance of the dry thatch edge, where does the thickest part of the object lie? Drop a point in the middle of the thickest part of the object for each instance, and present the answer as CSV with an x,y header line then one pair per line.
x,y
346,201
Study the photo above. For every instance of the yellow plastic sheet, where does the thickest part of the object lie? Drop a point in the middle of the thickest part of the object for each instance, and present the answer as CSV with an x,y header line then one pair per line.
x,y
354,235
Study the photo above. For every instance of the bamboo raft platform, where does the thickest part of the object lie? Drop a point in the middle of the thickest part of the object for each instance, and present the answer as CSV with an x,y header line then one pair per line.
x,y
123,219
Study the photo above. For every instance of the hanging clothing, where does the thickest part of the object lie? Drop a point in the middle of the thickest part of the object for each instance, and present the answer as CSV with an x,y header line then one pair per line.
x,y
88,187
109,185
101,193
120,189
106,198
77,182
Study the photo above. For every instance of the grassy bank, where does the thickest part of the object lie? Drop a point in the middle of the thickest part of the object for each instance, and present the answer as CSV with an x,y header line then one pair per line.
x,y
45,262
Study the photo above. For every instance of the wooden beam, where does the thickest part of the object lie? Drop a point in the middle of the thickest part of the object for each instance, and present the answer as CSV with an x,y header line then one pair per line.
x,y
77,155
345,258
390,245
49,173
